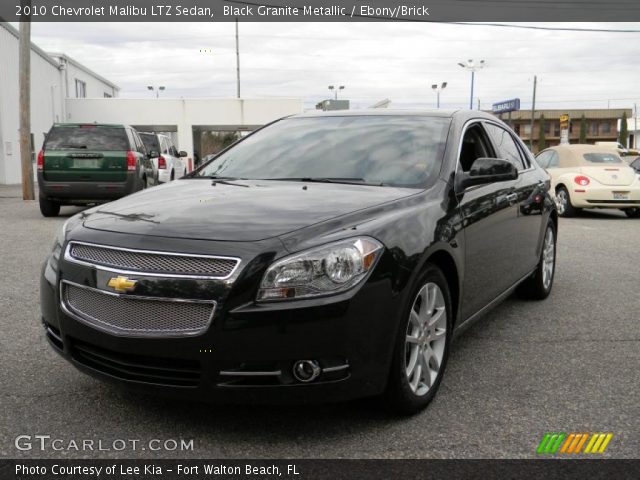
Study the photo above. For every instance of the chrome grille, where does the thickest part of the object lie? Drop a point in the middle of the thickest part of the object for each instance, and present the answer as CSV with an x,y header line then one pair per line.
x,y
131,315
153,262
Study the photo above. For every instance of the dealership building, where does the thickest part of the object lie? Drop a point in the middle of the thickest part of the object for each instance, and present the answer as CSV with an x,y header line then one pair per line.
x,y
63,90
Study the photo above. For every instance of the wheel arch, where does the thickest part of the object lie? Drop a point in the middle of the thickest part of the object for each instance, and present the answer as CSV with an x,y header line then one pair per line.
x,y
446,263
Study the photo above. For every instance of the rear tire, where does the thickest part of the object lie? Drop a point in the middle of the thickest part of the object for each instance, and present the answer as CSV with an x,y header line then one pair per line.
x,y
565,207
48,208
538,285
632,212
422,344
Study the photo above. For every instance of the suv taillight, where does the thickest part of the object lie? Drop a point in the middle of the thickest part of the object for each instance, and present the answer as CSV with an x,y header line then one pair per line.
x,y
131,160
40,162
162,163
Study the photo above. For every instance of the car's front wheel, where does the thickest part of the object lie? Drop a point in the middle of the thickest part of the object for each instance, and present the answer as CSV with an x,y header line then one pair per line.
x,y
565,207
422,345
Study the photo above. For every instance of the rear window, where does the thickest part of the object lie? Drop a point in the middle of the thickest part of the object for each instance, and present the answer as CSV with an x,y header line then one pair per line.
x,y
602,158
150,141
87,138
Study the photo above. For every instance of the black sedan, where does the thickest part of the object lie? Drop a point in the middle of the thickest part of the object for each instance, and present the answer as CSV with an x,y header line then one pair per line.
x,y
323,257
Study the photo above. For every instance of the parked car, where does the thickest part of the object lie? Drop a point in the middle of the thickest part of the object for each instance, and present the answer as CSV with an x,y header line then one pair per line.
x,y
620,148
323,257
168,163
589,176
81,164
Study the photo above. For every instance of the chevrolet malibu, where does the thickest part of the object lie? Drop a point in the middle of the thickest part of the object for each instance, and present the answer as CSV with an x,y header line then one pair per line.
x,y
324,257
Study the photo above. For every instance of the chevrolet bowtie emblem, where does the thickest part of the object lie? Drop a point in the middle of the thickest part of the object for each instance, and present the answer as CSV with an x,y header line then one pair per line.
x,y
122,284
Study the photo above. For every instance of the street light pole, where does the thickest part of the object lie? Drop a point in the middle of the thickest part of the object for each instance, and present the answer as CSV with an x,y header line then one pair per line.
x,y
437,89
472,67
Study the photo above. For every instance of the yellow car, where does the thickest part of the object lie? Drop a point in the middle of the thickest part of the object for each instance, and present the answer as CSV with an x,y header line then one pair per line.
x,y
590,176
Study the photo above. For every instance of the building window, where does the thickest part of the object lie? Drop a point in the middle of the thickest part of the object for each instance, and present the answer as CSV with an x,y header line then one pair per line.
x,y
107,95
526,129
606,127
81,89
548,128
593,128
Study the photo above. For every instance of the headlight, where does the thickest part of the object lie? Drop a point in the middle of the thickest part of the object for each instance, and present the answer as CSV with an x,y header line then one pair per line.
x,y
61,237
320,271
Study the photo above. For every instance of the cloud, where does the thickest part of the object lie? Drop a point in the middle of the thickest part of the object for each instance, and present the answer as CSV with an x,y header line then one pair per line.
x,y
396,60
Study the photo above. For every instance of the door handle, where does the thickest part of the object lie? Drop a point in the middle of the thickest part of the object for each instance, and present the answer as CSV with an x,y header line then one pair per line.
x,y
512,197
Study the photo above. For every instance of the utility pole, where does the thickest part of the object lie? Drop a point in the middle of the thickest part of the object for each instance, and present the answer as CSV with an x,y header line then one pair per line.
x,y
237,60
533,111
25,109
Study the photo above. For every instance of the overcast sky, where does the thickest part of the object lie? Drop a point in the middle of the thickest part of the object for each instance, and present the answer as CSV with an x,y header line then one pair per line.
x,y
394,60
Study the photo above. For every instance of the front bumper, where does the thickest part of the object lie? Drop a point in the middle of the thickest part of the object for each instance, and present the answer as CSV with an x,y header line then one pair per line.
x,y
248,352
605,197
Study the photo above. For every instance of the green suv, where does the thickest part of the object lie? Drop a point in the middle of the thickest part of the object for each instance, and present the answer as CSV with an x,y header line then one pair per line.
x,y
82,164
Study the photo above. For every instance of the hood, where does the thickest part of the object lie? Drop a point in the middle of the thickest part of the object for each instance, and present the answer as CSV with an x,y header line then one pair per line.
x,y
196,209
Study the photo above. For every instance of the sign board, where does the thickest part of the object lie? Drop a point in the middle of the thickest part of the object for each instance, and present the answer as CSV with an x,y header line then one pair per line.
x,y
506,106
564,121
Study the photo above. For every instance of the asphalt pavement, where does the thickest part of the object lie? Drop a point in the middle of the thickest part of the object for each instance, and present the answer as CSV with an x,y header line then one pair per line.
x,y
570,363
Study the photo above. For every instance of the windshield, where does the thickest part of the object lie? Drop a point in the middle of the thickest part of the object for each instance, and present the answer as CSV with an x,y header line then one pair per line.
x,y
87,137
602,158
390,150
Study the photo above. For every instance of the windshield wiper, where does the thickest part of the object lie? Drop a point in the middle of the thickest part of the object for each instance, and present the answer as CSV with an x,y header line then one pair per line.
x,y
227,181
345,180
71,145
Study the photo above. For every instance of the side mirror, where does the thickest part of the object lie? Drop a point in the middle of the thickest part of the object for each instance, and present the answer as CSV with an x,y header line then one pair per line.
x,y
489,170
153,154
182,153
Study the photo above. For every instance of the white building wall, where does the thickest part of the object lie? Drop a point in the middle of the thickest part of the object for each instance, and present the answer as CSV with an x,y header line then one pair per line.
x,y
95,87
183,113
46,103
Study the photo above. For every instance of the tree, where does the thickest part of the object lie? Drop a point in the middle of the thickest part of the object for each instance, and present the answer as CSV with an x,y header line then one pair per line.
x,y
583,130
623,137
542,141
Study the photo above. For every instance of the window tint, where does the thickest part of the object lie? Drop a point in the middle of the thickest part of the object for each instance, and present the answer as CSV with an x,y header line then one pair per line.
x,y
87,137
394,150
602,158
506,145
150,141
474,145
636,163
165,146
555,160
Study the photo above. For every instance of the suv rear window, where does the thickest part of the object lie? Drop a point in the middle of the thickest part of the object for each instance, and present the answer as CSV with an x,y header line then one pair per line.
x,y
150,141
88,137
602,158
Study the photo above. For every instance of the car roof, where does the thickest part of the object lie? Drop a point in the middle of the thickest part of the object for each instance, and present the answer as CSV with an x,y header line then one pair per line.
x,y
93,124
572,155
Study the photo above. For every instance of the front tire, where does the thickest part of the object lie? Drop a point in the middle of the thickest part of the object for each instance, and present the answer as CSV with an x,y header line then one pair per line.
x,y
48,208
422,345
538,285
565,207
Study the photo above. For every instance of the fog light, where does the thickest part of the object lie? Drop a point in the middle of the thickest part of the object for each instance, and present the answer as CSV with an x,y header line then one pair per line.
x,y
306,370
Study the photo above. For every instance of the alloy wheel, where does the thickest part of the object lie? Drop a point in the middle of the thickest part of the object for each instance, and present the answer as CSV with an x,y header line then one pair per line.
x,y
426,338
562,201
548,258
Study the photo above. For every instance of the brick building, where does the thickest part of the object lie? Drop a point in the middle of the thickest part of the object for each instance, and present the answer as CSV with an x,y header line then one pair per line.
x,y
602,124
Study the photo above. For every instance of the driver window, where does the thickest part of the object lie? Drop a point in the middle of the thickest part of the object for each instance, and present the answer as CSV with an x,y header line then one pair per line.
x,y
474,145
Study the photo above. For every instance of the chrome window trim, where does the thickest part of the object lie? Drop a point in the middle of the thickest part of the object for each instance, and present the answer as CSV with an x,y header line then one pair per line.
x,y
68,257
122,332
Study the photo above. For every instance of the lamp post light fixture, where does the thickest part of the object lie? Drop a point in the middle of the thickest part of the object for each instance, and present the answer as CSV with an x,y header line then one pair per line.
x,y
160,88
473,68
437,90
335,90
